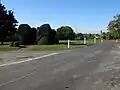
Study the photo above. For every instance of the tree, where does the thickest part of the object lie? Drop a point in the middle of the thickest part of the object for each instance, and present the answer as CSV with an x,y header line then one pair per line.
x,y
80,36
11,26
104,35
7,23
65,32
114,27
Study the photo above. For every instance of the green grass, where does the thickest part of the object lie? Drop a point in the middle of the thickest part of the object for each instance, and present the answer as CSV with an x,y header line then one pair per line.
x,y
63,45
79,42
55,47
7,48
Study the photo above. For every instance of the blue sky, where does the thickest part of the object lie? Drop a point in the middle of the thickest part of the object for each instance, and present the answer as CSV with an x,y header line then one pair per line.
x,y
81,15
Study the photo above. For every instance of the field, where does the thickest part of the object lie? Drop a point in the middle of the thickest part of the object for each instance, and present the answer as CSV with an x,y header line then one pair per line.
x,y
79,42
7,48
62,46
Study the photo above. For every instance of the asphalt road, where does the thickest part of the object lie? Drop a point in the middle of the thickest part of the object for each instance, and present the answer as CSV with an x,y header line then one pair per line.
x,y
89,68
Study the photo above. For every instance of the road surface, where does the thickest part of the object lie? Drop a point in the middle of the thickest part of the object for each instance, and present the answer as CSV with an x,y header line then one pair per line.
x,y
95,67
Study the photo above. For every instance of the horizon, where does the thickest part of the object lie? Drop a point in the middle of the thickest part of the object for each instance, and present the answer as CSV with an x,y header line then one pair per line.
x,y
83,15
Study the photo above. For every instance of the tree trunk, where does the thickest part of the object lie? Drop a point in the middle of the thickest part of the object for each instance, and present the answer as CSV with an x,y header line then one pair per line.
x,y
2,43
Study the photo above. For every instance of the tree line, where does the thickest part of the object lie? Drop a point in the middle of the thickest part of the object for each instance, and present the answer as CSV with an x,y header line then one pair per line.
x,y
9,32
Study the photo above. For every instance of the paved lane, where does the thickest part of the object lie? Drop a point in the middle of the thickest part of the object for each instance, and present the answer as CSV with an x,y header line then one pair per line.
x,y
67,70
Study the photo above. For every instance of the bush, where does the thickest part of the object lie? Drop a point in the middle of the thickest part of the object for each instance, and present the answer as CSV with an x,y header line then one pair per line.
x,y
43,40
45,29
24,29
27,35
46,35
33,35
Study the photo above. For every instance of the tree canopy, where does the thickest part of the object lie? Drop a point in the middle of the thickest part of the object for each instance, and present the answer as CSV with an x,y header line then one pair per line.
x,y
7,23
114,27
65,32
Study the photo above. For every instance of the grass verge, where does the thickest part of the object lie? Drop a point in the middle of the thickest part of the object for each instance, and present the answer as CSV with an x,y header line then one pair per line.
x,y
7,48
55,47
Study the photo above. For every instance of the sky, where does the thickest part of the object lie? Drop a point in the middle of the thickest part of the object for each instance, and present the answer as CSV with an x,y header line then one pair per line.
x,y
82,15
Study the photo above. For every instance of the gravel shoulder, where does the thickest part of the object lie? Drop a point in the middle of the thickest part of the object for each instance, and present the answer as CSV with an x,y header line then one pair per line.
x,y
14,56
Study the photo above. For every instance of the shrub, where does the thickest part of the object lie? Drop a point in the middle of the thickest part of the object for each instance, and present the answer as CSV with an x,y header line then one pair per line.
x,y
27,35
46,35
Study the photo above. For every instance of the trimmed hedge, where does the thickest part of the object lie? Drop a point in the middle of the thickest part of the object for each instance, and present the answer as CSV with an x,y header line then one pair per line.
x,y
46,35
27,35
42,35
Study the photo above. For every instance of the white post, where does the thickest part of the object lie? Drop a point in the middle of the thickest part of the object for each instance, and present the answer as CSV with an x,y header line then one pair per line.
x,y
94,40
85,41
68,43
101,40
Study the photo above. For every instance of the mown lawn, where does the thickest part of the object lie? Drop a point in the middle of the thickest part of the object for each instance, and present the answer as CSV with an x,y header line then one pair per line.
x,y
7,48
55,47
62,46
79,42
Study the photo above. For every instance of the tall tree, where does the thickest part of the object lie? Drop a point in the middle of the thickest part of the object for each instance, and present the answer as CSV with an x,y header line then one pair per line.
x,y
65,32
3,13
7,23
114,27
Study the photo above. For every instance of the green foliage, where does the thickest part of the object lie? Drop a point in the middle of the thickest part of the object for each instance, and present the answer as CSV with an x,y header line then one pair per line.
x,y
54,34
7,48
27,35
79,36
7,23
114,27
33,35
65,32
24,29
104,35
43,40
46,35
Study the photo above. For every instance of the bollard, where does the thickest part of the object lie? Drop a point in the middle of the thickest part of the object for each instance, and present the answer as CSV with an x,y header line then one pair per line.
x,y
94,40
85,41
68,43
101,40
